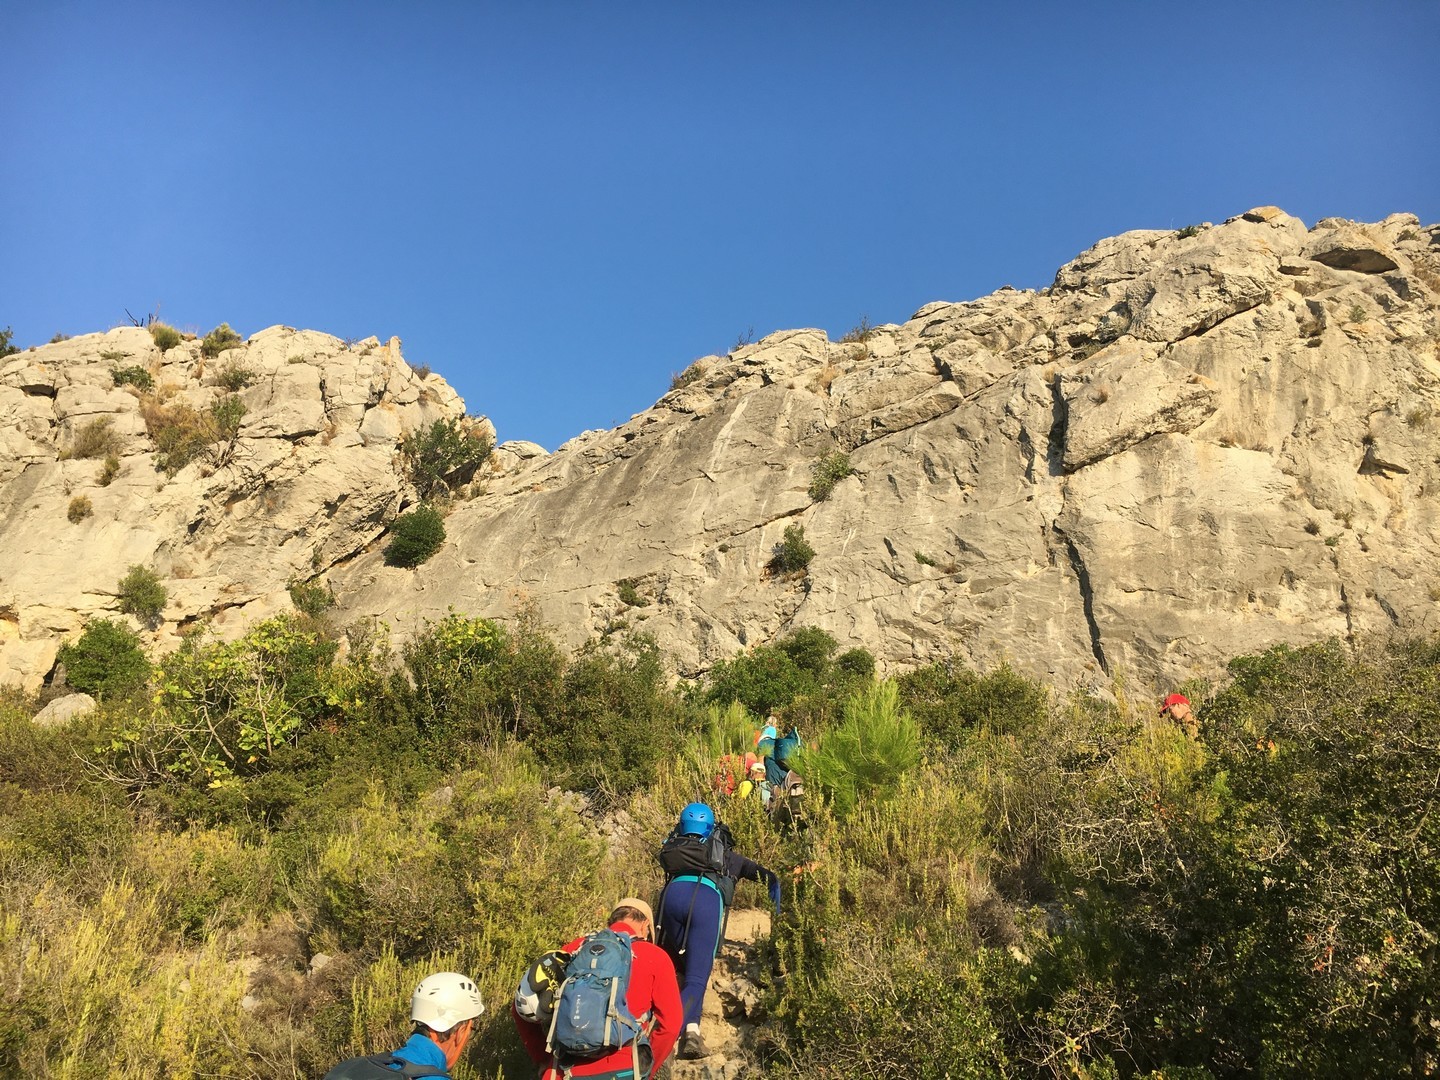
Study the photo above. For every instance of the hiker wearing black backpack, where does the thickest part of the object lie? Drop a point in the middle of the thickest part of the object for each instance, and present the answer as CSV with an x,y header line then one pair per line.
x,y
444,1008
605,1006
701,872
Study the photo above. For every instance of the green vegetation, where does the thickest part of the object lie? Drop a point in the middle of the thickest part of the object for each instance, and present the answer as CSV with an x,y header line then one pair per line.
x,y
1189,231
109,471
164,336
107,661
995,880
182,433
311,598
827,472
79,509
141,594
692,374
414,537
234,376
7,346
793,553
443,455
134,375
629,592
218,340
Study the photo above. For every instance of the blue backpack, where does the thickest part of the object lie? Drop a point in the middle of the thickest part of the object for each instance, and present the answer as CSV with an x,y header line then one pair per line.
x,y
592,1017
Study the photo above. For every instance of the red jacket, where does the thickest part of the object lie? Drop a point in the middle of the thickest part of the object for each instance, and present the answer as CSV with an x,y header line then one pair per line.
x,y
653,989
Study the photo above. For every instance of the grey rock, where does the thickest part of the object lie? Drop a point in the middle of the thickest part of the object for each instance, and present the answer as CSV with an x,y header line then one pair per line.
x,y
63,710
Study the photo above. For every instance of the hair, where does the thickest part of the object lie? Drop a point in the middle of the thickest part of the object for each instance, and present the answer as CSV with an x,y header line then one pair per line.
x,y
632,915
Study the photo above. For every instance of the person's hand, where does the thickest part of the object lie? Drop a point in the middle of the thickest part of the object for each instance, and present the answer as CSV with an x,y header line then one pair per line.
x,y
774,884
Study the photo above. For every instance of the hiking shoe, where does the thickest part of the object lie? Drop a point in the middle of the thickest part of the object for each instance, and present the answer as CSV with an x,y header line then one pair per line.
x,y
692,1046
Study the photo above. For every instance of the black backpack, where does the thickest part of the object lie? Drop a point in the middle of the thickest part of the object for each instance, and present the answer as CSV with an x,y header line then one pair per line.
x,y
684,855
374,1067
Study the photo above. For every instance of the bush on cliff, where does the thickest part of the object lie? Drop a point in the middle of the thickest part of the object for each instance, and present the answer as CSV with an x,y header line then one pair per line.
x,y
106,661
414,537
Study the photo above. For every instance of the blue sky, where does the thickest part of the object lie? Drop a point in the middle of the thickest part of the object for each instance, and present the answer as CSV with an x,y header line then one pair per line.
x,y
556,206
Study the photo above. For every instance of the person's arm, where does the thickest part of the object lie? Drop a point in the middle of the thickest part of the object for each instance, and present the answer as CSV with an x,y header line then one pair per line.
x,y
743,869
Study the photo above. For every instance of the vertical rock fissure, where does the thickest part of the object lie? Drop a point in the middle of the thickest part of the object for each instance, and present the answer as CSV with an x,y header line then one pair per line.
x,y
1060,419
1087,598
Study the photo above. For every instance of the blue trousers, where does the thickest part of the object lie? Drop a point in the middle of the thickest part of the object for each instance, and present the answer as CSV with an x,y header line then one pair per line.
x,y
695,903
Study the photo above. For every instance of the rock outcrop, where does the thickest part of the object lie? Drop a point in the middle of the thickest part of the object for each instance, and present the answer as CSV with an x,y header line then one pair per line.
x,y
311,477
1191,445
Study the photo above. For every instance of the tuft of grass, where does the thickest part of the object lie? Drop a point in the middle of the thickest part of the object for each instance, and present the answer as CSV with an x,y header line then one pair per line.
x,y
1312,527
1418,416
95,439
1188,231
218,340
109,471
79,510
422,371
692,374
923,559
114,355
826,473
859,333
1357,314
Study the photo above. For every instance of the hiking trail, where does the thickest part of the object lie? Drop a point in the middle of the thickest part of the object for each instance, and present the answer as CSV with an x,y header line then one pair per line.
x,y
727,1022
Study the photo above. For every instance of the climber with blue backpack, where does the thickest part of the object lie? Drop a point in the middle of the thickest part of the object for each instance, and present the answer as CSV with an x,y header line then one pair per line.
x,y
701,871
605,1006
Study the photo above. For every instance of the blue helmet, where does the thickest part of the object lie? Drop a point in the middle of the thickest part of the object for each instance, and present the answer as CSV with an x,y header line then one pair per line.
x,y
697,819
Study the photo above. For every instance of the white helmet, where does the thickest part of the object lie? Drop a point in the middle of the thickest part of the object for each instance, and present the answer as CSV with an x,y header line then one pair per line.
x,y
444,1000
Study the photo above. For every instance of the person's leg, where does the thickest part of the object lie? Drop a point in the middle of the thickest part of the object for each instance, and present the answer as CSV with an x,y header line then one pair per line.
x,y
700,950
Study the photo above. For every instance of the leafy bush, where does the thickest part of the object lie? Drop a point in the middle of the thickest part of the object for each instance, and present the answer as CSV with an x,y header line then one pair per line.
x,y
826,473
414,537
446,453
311,598
141,594
952,703
79,509
95,439
106,661
135,375
1188,231
218,340
234,376
793,553
800,665
227,413
165,337
7,348
630,594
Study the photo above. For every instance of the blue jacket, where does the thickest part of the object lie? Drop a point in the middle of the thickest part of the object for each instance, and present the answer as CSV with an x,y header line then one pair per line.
x,y
421,1050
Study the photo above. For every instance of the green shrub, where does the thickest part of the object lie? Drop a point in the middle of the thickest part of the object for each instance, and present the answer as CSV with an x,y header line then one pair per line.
x,y
234,376
1188,231
106,661
218,340
951,702
95,439
227,414
165,337
7,348
630,594
793,553
446,453
864,759
311,598
414,537
135,375
141,594
826,473
79,509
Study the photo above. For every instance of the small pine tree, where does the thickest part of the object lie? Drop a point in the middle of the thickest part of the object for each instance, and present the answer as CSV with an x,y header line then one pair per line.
x,y
876,744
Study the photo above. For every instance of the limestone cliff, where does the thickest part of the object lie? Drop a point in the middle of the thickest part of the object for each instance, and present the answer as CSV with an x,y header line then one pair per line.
x,y
1191,445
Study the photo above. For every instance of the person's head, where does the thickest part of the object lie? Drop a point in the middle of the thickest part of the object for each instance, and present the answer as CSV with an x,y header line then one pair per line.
x,y
444,1007
1177,708
697,819
757,771
636,914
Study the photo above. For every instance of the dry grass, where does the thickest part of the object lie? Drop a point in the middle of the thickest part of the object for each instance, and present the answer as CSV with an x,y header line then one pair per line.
x,y
95,439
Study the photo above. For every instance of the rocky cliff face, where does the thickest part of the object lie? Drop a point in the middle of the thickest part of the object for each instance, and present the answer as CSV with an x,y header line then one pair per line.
x,y
1191,445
